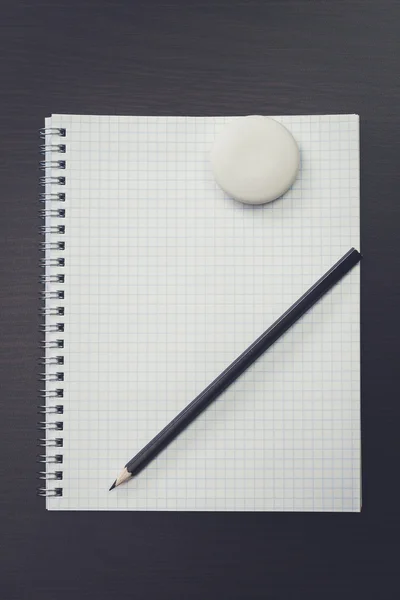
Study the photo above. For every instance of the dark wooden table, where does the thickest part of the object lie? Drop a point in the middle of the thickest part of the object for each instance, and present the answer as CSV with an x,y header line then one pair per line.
x,y
199,58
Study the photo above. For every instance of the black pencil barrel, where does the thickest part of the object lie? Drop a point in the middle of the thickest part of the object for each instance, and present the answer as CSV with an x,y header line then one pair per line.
x,y
240,364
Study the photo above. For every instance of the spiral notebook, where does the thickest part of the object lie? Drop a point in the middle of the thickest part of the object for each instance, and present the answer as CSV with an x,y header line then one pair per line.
x,y
155,281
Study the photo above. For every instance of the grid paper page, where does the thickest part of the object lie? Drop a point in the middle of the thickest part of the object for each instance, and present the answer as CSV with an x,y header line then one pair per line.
x,y
167,280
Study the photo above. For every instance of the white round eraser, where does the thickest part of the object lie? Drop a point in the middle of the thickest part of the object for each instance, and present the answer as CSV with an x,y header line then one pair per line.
x,y
255,159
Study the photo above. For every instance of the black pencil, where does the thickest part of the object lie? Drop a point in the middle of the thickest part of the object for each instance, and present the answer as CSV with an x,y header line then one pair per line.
x,y
239,365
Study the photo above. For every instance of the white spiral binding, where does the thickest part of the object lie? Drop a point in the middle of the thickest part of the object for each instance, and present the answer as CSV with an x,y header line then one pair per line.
x,y
52,311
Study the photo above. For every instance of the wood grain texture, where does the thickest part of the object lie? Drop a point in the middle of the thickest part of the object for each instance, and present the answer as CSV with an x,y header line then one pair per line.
x,y
199,58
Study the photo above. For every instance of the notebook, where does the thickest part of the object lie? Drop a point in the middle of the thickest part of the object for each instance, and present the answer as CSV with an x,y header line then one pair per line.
x,y
155,280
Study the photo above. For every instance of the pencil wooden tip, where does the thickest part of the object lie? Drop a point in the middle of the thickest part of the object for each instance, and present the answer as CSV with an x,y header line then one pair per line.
x,y
123,476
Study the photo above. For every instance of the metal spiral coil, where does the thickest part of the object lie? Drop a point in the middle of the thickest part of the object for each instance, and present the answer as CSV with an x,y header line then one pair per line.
x,y
52,262
59,376
52,197
57,229
55,475
52,443
52,344
52,295
55,409
46,426
58,393
56,278
52,164
44,148
50,460
52,180
52,326
52,212
44,246
44,131
52,310
48,492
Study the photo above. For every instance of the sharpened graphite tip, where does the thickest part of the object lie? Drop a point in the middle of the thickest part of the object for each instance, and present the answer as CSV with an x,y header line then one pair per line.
x,y
113,486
